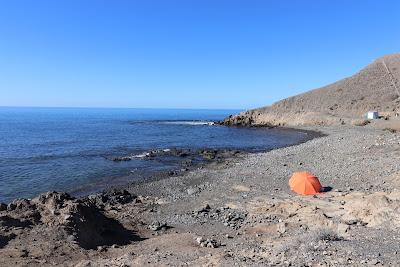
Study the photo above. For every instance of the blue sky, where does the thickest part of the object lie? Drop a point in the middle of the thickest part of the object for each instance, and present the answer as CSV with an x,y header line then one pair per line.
x,y
185,54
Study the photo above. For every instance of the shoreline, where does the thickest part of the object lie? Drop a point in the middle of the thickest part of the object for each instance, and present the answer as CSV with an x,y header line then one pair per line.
x,y
217,162
239,214
222,157
105,172
135,187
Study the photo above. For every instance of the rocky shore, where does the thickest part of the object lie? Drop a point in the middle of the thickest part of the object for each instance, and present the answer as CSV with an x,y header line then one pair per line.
x,y
239,213
190,154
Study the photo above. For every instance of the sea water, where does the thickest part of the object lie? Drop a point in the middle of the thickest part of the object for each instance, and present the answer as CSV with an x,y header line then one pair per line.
x,y
69,149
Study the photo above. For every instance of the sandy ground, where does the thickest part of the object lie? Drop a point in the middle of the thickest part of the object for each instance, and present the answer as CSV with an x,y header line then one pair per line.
x,y
239,213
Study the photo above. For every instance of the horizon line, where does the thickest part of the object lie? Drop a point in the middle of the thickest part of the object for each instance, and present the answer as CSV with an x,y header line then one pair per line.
x,y
86,107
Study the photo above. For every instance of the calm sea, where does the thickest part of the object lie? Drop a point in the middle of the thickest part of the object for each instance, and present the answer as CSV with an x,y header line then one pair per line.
x,y
68,149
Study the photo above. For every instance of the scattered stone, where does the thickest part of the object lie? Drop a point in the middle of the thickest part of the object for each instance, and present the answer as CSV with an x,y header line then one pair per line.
x,y
281,227
206,208
230,218
3,207
157,226
101,248
207,243
24,253
373,262
343,228
192,191
11,207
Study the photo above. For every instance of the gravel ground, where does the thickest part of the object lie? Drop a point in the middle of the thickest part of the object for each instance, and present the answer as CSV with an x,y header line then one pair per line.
x,y
349,158
242,213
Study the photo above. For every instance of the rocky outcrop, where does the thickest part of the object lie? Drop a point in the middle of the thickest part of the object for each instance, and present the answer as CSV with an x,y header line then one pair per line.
x,y
376,87
63,217
206,154
242,119
111,198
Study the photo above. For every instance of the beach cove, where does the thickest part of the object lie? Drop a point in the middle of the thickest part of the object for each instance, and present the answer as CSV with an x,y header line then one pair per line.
x,y
239,213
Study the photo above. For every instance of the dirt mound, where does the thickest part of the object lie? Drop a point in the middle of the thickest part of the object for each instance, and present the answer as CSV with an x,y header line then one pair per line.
x,y
376,87
78,221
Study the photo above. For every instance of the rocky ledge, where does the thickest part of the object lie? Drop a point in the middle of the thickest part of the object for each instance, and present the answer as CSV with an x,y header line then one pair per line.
x,y
243,119
79,222
205,154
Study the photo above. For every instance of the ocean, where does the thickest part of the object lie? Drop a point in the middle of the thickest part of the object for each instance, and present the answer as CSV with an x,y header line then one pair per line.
x,y
70,149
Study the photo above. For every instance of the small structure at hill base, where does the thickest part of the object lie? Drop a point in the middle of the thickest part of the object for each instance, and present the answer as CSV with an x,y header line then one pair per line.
x,y
372,115
305,183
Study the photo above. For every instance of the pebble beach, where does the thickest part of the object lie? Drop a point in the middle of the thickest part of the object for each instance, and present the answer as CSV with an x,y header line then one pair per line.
x,y
237,213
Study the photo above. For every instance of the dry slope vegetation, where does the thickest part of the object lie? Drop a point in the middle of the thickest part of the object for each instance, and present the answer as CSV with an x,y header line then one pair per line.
x,y
376,87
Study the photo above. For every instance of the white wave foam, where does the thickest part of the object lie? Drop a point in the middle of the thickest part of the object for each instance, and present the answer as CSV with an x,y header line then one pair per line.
x,y
139,156
194,123
147,154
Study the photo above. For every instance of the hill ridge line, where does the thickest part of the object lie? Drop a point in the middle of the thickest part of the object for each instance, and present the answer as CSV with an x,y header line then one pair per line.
x,y
375,87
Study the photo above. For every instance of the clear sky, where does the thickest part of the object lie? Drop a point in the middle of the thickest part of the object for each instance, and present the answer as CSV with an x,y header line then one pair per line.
x,y
185,54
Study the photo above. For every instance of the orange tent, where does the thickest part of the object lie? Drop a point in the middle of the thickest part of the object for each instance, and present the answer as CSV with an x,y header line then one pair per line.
x,y
305,183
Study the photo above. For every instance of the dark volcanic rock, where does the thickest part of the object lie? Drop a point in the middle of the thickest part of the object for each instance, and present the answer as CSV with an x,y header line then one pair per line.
x,y
3,206
155,153
112,197
212,154
208,154
190,156
238,120
9,222
4,239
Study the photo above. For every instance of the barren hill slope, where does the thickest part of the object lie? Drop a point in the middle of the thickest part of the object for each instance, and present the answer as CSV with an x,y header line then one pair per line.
x,y
376,87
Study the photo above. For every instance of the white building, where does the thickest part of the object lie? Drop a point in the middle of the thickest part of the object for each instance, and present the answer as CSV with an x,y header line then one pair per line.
x,y
372,115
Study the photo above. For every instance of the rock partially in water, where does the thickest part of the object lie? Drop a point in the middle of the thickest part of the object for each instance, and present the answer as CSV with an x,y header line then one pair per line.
x,y
207,154
244,119
155,153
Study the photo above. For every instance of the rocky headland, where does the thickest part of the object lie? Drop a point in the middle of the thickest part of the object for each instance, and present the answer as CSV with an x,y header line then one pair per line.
x,y
375,87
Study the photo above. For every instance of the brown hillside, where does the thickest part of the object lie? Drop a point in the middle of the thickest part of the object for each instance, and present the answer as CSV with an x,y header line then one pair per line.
x,y
375,87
